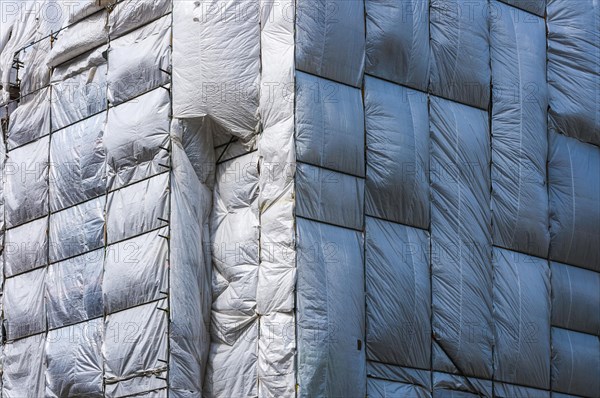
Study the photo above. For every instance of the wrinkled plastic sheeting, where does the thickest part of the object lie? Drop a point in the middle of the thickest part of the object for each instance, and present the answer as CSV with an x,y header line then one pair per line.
x,y
275,298
537,7
30,120
139,61
235,255
77,163
78,39
454,386
398,294
461,238
137,208
78,10
329,125
460,62
26,247
519,131
24,368
135,271
330,39
329,196
34,73
74,360
190,257
26,183
79,89
128,15
384,371
574,189
397,124
521,319
77,230
398,41
575,298
378,388
574,67
216,59
74,289
503,390
23,304
137,137
331,311
135,349
575,363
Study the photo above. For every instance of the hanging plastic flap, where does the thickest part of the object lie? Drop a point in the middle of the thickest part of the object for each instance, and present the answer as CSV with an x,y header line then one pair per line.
x,y
139,61
575,363
30,120
77,230
137,208
79,89
454,386
190,267
575,298
223,38
398,41
329,196
519,126
398,294
77,163
574,189
460,55
26,183
461,237
24,312
329,125
26,247
140,350
74,361
521,319
136,139
330,39
573,67
331,311
74,289
397,124
23,368
78,39
135,271
128,15
537,7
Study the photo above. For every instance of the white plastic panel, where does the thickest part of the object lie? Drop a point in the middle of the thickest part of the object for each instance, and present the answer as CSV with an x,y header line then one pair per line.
x,y
26,247
139,61
137,135
23,368
26,183
135,271
77,230
77,163
23,304
30,120
137,208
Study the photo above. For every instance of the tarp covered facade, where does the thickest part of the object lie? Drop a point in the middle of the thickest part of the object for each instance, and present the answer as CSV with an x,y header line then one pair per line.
x,y
337,198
